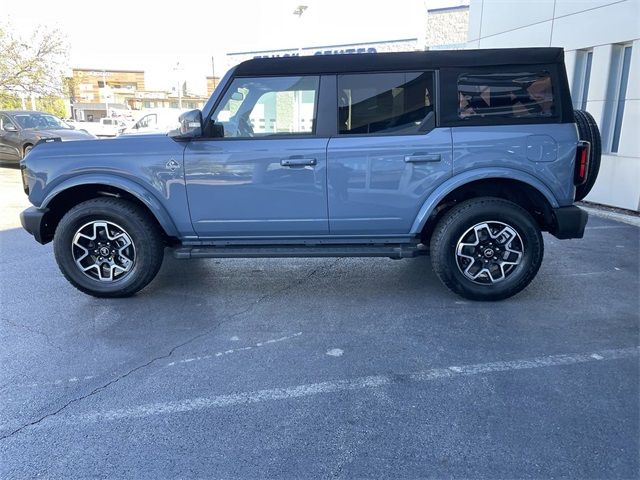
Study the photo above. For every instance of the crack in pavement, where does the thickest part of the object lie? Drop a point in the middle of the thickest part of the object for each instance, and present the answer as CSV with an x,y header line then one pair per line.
x,y
172,350
36,331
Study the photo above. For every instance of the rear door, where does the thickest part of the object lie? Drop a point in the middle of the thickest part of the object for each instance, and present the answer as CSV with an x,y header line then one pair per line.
x,y
388,155
266,176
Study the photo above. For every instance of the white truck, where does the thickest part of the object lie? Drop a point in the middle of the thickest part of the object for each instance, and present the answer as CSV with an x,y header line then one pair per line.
x,y
158,120
106,127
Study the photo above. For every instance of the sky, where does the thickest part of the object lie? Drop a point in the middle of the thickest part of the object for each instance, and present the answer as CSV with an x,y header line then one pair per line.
x,y
154,36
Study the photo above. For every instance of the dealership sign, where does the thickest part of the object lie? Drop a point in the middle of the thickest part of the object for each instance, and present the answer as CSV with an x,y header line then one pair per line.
x,y
403,45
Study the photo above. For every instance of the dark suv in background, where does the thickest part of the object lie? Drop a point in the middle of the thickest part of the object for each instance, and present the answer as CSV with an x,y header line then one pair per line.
x,y
20,130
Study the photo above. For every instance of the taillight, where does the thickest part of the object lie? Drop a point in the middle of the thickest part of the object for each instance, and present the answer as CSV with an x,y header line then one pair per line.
x,y
582,163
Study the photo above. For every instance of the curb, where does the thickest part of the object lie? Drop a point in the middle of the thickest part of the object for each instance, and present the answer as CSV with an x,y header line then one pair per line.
x,y
619,217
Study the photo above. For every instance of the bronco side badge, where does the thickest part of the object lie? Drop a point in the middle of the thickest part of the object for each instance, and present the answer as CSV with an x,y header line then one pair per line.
x,y
172,165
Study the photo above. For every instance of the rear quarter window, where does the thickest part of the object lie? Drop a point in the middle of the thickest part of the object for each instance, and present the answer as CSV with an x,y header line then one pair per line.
x,y
384,103
518,95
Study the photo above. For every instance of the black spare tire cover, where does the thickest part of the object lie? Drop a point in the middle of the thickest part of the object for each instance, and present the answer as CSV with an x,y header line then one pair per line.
x,y
588,131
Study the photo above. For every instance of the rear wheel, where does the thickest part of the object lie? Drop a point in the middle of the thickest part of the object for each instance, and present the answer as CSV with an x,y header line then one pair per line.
x,y
588,131
486,249
108,247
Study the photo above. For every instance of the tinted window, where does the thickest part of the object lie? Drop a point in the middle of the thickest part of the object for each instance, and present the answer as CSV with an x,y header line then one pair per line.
x,y
39,121
515,95
259,107
384,102
4,120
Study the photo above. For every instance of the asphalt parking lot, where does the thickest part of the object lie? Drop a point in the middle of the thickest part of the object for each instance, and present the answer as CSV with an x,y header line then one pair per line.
x,y
322,368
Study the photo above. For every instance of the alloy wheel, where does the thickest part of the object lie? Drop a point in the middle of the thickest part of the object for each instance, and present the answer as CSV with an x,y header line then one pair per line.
x,y
103,251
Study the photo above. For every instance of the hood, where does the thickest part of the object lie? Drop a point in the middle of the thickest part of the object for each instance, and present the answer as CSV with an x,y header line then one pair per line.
x,y
105,151
65,134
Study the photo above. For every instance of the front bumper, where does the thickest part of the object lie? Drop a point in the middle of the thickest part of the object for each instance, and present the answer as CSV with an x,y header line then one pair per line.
x,y
32,220
569,222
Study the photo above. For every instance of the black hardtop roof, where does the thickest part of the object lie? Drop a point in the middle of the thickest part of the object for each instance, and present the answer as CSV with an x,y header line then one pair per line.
x,y
370,62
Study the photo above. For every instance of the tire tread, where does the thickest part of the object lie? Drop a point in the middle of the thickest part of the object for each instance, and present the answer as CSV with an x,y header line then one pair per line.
x,y
439,248
152,238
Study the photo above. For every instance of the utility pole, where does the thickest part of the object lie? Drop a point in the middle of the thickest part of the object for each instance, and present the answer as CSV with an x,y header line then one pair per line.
x,y
213,73
177,70
104,89
300,9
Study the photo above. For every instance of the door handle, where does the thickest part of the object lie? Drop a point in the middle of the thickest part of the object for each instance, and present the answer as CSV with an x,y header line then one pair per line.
x,y
422,157
298,162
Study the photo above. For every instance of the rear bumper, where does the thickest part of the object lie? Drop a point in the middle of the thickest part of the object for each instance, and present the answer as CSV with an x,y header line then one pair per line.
x,y
32,220
569,222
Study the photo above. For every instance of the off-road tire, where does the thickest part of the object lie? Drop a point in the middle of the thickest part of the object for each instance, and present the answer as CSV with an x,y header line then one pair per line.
x,y
588,131
143,230
464,216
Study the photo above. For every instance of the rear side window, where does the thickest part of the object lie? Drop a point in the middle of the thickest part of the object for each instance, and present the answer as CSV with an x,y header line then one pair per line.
x,y
384,103
505,95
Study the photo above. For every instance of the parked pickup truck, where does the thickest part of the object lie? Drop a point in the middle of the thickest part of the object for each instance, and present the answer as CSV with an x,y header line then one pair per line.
x,y
466,156
105,127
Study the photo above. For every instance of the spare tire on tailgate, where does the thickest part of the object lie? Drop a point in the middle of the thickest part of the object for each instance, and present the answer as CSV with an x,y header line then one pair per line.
x,y
588,131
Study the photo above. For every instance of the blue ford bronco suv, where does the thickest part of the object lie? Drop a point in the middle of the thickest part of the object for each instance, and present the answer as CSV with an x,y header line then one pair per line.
x,y
466,156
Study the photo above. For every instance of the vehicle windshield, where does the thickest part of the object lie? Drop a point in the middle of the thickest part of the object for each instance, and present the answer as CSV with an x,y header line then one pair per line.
x,y
39,121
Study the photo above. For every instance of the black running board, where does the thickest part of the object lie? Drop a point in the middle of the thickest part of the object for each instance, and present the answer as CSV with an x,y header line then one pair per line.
x,y
390,251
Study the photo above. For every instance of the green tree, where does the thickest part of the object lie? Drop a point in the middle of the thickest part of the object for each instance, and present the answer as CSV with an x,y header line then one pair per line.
x,y
9,101
53,105
33,63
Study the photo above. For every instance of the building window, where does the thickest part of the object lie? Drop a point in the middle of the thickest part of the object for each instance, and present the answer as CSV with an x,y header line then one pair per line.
x,y
581,79
505,95
618,80
384,103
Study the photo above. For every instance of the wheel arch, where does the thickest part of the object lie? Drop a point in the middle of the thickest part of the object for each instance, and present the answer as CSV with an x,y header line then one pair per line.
x,y
518,187
72,192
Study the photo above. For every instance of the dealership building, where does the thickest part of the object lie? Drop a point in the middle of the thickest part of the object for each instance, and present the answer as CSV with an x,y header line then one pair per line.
x,y
601,39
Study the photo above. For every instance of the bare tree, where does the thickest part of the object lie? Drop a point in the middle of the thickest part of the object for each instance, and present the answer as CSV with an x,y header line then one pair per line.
x,y
32,64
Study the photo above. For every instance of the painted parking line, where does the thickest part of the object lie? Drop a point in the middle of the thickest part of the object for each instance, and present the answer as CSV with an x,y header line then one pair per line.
x,y
63,382
230,351
361,383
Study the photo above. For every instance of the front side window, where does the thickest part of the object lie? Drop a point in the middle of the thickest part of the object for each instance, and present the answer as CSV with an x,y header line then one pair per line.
x,y
512,95
384,103
4,120
148,121
40,121
266,106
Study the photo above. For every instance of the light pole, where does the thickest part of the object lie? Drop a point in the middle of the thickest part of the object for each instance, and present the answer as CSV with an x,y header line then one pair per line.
x,y
300,9
177,70
106,93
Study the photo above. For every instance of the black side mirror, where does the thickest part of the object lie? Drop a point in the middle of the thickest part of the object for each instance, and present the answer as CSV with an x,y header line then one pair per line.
x,y
190,125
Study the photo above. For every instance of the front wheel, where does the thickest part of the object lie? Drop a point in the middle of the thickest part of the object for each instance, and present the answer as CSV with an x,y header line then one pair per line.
x,y
108,247
487,249
26,150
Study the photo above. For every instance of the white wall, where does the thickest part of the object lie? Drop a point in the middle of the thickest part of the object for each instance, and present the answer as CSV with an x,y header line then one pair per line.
x,y
575,25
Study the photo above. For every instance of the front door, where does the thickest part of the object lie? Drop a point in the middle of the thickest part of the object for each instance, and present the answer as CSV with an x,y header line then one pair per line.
x,y
262,171
10,143
388,155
